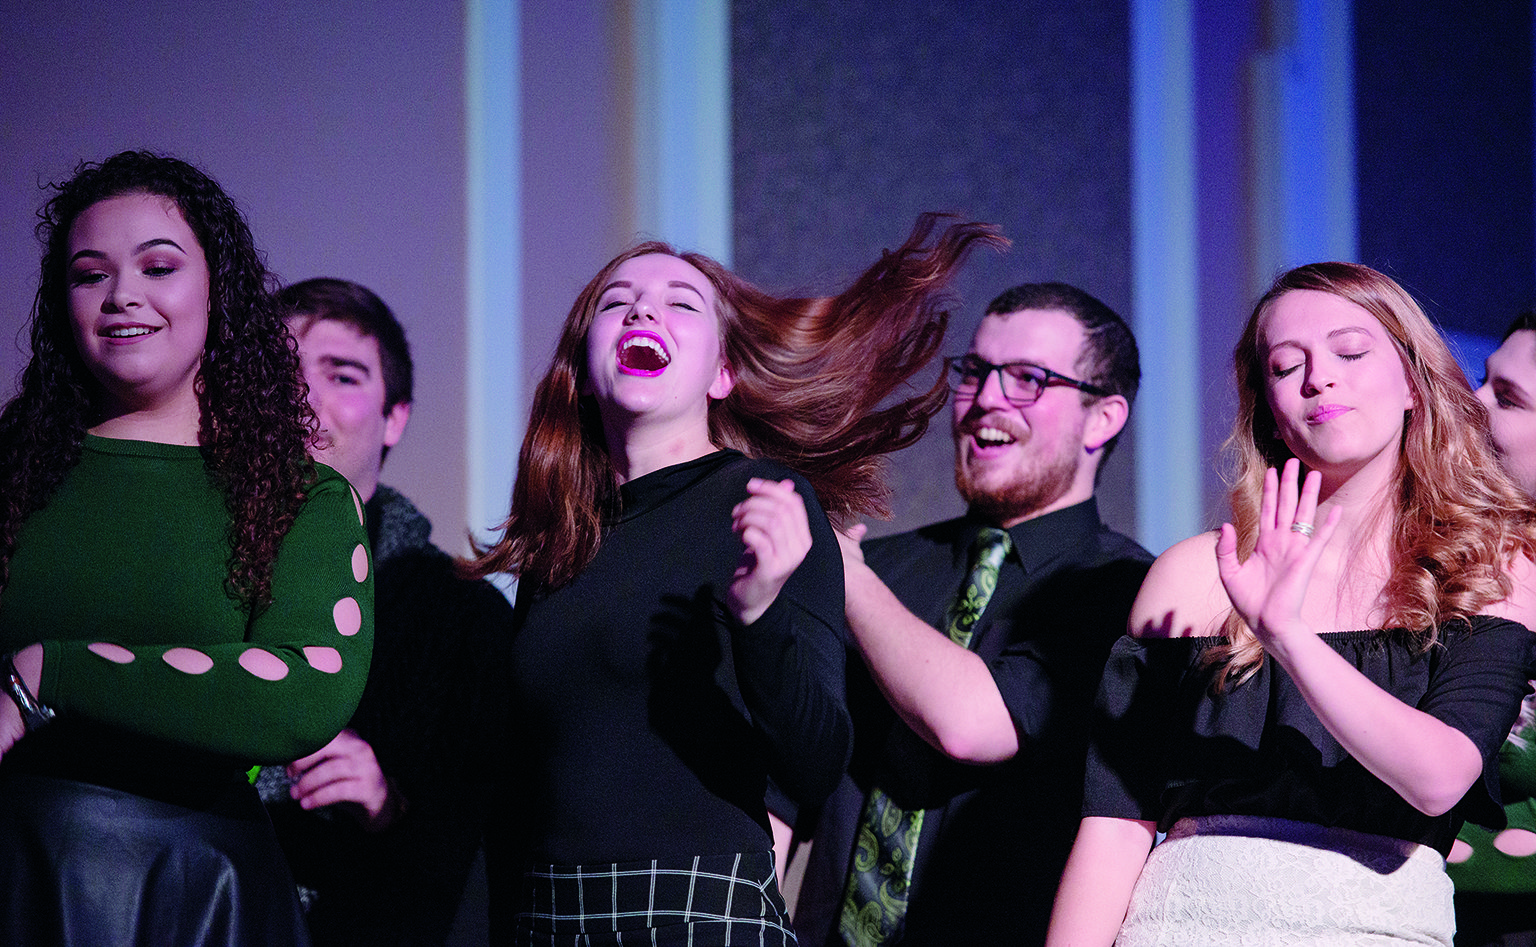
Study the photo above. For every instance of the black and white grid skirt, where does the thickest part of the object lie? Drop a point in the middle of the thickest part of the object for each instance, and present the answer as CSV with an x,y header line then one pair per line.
x,y
724,900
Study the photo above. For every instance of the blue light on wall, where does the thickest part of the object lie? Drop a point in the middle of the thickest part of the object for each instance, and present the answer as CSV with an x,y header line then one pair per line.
x,y
1168,453
494,331
1302,140
682,123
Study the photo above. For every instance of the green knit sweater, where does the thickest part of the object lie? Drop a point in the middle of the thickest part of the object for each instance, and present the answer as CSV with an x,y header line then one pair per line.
x,y
132,551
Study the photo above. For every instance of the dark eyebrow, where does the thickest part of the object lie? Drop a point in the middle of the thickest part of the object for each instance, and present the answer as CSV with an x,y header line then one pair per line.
x,y
673,284
336,361
1509,386
158,241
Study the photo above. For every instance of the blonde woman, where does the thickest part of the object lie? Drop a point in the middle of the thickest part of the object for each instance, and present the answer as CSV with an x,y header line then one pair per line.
x,y
1313,696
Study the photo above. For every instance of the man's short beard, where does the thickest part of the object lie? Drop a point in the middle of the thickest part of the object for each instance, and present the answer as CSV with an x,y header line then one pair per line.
x,y
1024,495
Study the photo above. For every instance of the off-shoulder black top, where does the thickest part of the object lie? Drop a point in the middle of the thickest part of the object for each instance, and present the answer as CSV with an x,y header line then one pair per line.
x,y
1165,747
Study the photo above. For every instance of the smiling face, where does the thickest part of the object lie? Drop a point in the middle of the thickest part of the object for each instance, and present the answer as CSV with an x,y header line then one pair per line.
x,y
1509,393
1013,463
1335,383
345,376
138,302
654,352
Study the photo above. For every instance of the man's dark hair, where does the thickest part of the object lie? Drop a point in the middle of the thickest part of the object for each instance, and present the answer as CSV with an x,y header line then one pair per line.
x,y
338,300
1526,320
1109,360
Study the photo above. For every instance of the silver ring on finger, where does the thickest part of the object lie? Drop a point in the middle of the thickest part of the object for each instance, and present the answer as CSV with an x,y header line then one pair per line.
x,y
1304,529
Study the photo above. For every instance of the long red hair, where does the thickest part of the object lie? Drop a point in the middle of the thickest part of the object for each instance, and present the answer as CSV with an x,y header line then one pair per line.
x,y
811,376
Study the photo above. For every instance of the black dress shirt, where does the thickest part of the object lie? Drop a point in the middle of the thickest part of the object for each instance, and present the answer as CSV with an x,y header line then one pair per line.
x,y
995,837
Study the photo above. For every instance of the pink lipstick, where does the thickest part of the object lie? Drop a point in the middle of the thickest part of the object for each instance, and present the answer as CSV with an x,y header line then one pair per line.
x,y
641,352
1324,413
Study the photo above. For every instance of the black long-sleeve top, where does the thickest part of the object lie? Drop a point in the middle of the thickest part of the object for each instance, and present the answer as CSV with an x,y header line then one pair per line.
x,y
650,718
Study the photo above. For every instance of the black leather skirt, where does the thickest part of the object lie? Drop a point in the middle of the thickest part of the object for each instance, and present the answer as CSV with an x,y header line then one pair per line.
x,y
82,864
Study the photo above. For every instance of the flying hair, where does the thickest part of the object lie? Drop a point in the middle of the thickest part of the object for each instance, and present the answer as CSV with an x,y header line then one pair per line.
x,y
812,378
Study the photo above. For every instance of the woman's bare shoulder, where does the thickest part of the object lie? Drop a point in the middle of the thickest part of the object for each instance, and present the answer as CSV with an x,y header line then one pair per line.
x,y
1520,606
1182,596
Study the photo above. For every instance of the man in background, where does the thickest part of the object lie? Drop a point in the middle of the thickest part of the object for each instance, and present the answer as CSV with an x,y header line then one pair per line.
x,y
982,641
383,824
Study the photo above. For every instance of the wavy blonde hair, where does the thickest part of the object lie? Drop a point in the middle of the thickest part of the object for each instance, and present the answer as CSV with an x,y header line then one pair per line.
x,y
1457,518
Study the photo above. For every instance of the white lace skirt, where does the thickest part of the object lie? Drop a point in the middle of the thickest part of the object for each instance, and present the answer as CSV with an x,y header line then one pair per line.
x,y
1237,880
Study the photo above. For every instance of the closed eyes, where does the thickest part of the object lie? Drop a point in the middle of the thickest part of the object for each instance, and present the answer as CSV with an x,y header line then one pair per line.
x,y
619,303
1278,372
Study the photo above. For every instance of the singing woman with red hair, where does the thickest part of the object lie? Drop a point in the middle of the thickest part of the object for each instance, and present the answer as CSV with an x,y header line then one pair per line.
x,y
680,592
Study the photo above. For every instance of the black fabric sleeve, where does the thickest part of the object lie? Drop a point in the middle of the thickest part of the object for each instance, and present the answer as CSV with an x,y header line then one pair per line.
x,y
789,666
1480,676
787,683
1027,686
1048,675
1127,754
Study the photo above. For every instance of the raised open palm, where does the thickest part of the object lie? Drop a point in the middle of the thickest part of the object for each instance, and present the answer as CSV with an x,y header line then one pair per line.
x,y
1268,587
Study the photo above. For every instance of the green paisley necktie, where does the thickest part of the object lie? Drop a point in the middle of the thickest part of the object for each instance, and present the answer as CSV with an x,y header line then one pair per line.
x,y
875,902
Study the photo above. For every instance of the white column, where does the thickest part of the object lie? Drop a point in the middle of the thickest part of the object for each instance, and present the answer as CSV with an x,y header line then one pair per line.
x,y
683,123
1169,458
1303,140
493,358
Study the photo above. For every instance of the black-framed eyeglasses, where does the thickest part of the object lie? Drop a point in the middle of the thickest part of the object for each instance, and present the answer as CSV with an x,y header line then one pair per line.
x,y
1022,382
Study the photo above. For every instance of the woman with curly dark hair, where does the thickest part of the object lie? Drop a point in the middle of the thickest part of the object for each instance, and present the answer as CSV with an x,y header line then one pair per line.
x,y
1311,698
680,592
182,592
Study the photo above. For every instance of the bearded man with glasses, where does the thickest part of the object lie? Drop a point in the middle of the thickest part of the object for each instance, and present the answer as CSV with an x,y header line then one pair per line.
x,y
982,641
